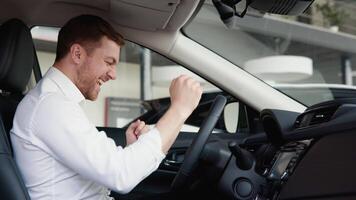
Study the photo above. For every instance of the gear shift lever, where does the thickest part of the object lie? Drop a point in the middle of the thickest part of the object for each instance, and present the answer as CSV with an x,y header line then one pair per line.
x,y
244,159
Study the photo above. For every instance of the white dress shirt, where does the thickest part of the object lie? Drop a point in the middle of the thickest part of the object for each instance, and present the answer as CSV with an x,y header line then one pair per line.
x,y
61,155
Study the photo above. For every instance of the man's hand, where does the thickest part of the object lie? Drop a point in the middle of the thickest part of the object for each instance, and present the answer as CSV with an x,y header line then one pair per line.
x,y
134,131
185,94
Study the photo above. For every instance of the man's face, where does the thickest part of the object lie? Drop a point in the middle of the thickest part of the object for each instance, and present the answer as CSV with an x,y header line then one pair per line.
x,y
98,67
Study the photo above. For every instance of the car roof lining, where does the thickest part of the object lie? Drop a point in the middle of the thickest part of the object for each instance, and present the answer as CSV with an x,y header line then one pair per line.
x,y
146,15
138,28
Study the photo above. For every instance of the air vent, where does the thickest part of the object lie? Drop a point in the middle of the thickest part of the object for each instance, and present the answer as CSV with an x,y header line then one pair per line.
x,y
321,117
283,7
315,116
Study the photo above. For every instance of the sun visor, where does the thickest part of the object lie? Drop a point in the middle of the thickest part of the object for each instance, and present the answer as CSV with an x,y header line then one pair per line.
x,y
143,14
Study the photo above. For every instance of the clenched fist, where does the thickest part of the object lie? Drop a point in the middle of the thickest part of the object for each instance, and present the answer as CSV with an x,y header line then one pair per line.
x,y
185,94
134,131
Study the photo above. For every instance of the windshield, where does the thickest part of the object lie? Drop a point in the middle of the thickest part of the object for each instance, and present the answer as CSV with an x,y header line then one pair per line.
x,y
308,57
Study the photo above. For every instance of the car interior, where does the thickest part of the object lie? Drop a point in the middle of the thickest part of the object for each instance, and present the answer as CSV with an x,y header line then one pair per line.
x,y
295,152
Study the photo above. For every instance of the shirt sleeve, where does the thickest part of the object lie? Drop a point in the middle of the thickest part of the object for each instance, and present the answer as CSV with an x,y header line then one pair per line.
x,y
62,129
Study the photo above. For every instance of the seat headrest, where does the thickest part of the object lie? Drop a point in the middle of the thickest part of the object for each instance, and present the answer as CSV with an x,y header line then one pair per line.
x,y
17,56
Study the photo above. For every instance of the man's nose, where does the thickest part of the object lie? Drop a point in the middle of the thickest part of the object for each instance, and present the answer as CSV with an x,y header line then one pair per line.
x,y
112,73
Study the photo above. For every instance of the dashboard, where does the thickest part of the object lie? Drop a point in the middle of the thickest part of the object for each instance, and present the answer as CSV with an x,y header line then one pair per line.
x,y
300,156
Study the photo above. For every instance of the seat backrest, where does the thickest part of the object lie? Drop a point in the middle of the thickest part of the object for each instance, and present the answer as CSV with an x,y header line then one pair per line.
x,y
11,184
17,59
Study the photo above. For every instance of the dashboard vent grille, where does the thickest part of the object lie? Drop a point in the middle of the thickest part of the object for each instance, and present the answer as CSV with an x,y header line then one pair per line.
x,y
315,117
321,117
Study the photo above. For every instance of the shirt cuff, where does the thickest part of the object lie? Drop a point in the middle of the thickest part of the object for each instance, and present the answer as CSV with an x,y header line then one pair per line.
x,y
155,141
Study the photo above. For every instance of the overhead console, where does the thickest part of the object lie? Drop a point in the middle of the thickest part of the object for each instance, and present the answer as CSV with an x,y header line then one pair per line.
x,y
229,9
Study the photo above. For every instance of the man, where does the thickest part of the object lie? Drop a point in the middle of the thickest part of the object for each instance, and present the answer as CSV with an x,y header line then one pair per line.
x,y
61,155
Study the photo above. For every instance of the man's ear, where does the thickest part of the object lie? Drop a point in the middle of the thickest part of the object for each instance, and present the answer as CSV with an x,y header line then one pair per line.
x,y
77,53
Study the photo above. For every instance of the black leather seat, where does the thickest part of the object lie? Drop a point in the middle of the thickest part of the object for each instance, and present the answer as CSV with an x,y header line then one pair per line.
x,y
17,59
11,183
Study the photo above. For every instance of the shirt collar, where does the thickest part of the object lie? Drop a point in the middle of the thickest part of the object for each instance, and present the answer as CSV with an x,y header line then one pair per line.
x,y
65,84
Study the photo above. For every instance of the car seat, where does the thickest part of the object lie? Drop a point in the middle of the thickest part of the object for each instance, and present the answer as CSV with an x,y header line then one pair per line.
x,y
17,60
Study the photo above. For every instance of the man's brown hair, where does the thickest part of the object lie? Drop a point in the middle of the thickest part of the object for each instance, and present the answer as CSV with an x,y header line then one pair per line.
x,y
86,30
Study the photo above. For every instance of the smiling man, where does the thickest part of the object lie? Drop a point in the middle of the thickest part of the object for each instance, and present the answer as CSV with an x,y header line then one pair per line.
x,y
60,153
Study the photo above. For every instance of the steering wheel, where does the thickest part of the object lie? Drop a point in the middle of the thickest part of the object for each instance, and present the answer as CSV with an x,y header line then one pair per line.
x,y
192,154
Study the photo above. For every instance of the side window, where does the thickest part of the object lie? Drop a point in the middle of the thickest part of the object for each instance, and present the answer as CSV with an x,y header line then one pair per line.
x,y
237,117
141,88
